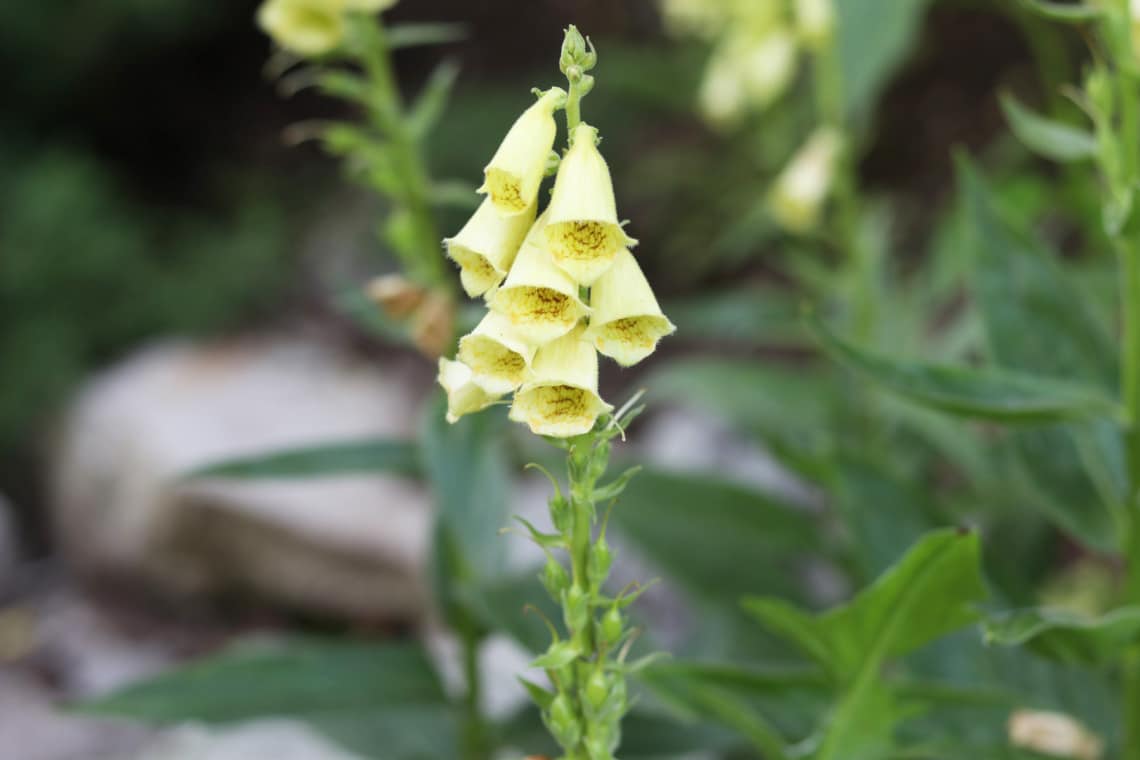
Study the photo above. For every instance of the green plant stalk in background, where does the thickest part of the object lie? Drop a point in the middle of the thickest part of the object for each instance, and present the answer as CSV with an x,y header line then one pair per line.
x,y
1120,164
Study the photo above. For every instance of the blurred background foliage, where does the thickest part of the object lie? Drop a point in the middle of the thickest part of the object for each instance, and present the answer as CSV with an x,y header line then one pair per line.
x,y
145,190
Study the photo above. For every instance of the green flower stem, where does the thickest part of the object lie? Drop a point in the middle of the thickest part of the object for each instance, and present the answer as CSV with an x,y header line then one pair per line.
x,y
578,57
584,712
422,261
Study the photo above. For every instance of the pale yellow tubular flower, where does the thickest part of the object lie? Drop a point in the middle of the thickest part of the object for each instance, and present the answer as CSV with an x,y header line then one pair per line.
x,y
582,229
464,396
721,97
562,398
1055,734
512,177
627,321
1134,12
695,18
769,67
539,299
304,27
815,22
797,198
368,6
499,359
486,246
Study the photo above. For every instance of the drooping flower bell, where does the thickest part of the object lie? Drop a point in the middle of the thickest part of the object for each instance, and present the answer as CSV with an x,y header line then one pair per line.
x,y
499,359
539,300
561,399
815,22
746,72
797,198
486,246
304,27
626,322
464,395
582,229
512,177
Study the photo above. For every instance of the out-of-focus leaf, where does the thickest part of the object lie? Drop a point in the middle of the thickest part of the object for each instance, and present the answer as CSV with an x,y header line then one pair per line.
x,y
432,100
455,193
466,465
697,528
306,678
787,408
413,35
330,459
1037,322
884,516
754,315
1067,637
516,606
1049,138
1075,13
930,592
983,393
875,36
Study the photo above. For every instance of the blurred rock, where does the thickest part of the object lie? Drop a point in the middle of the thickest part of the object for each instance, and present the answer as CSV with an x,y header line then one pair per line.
x,y
277,739
348,546
32,728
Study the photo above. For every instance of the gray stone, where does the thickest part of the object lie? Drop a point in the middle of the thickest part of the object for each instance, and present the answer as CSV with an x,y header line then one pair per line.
x,y
348,546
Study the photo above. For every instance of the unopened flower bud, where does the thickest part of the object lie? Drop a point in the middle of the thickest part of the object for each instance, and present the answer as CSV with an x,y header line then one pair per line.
x,y
512,177
1053,734
555,578
577,53
575,608
304,27
561,514
582,229
798,196
597,689
601,560
562,398
612,625
627,322
562,722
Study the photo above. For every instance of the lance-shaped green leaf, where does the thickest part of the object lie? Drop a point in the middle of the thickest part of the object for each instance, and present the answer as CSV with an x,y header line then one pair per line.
x,y
982,393
432,100
1049,138
1037,322
699,548
1073,13
371,697
327,460
930,592
1067,637
413,35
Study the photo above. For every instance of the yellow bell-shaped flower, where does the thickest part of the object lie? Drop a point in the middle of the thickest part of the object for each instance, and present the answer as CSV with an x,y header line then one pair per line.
x,y
747,72
539,299
815,22
512,177
499,359
304,27
626,322
464,395
797,198
486,246
562,398
582,230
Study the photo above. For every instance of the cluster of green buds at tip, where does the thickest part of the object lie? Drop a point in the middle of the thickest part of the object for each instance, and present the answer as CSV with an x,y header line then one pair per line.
x,y
560,282
312,27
